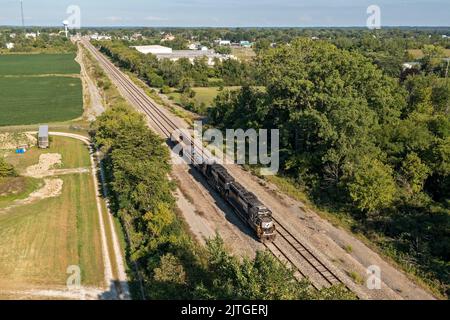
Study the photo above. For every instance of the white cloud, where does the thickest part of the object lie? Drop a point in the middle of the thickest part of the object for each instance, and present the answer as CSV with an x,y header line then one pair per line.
x,y
114,19
154,18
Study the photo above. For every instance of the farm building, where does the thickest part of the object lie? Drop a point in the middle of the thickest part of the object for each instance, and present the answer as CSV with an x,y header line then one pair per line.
x,y
43,137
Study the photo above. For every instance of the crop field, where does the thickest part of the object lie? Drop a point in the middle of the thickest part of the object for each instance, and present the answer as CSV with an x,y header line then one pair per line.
x,y
41,239
39,88
38,64
31,100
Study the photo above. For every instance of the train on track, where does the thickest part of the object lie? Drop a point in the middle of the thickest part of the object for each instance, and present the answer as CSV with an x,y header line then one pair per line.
x,y
247,206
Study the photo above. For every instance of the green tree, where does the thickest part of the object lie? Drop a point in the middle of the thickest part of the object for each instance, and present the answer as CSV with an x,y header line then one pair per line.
x,y
414,172
6,169
372,186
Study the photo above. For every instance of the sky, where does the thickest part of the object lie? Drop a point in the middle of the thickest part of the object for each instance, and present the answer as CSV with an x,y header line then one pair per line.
x,y
227,13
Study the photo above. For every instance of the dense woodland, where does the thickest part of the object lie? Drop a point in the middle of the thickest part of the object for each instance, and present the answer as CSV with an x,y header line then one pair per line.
x,y
361,142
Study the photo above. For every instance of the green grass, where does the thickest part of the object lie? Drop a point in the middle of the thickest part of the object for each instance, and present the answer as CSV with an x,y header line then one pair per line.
x,y
243,54
38,241
73,153
37,64
418,53
204,95
31,100
16,188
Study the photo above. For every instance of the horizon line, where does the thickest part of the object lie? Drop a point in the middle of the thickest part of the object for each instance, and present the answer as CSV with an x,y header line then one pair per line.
x,y
229,26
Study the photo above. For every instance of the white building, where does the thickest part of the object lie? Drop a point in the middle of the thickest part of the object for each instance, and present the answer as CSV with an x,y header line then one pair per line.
x,y
209,55
194,46
33,35
174,55
168,37
153,49
100,37
197,46
10,45
410,65
224,43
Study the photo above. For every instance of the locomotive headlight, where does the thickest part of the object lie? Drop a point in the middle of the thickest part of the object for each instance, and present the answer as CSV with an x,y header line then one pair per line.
x,y
267,225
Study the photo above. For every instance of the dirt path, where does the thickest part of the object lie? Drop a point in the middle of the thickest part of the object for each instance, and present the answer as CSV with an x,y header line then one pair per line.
x,y
85,293
94,103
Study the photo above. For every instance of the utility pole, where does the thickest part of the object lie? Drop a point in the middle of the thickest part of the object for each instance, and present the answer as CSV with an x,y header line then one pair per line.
x,y
21,10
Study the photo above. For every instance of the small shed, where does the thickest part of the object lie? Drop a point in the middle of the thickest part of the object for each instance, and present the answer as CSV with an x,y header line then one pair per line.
x,y
43,138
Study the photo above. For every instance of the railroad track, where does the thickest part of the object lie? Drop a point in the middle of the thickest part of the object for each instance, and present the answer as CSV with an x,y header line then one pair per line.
x,y
286,247
289,248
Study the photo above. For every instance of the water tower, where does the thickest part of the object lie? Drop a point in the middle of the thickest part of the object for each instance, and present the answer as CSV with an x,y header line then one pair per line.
x,y
66,27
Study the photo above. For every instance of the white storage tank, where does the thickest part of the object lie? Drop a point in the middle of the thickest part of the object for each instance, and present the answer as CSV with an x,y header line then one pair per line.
x,y
43,138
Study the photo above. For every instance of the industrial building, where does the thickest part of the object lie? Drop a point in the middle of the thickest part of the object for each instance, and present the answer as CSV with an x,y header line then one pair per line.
x,y
162,52
43,137
155,49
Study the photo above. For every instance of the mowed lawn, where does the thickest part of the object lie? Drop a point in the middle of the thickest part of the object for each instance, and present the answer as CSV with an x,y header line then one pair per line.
x,y
32,100
38,64
39,241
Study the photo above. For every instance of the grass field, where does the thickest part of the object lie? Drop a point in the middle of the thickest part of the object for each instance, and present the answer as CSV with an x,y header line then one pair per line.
x,y
16,188
37,64
202,95
38,241
417,53
30,100
243,54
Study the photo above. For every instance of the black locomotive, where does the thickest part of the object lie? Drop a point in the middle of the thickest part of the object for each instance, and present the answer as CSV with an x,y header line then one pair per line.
x,y
246,204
